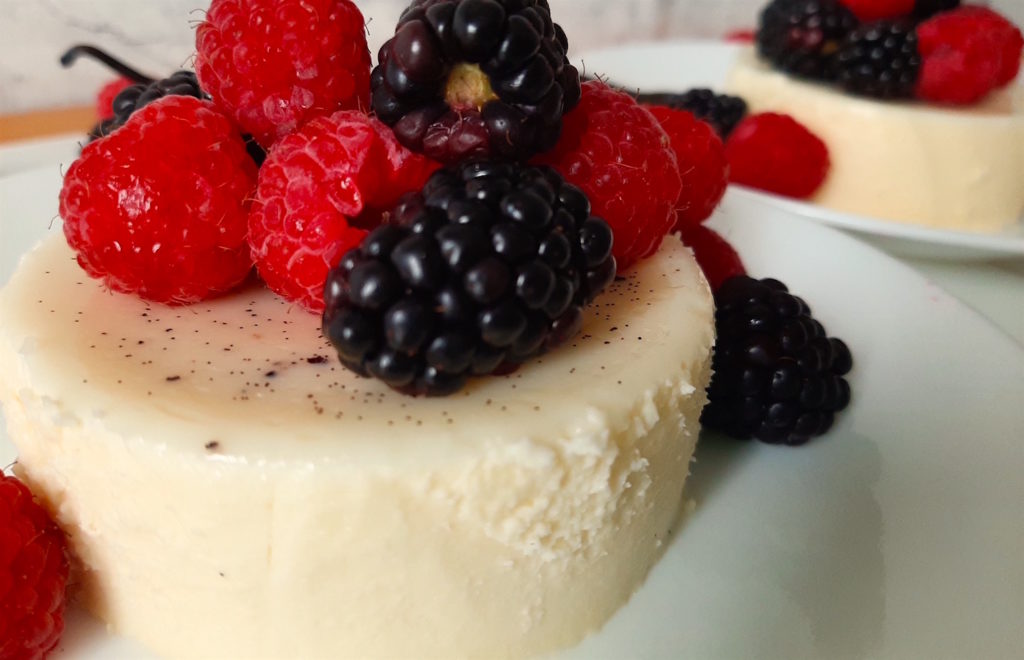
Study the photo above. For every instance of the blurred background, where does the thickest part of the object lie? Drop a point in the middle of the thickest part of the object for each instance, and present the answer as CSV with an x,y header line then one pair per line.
x,y
157,35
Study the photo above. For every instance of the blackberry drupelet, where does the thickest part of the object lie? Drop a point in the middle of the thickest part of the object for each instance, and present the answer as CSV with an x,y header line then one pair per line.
x,y
803,36
475,78
880,60
490,265
924,9
777,376
722,111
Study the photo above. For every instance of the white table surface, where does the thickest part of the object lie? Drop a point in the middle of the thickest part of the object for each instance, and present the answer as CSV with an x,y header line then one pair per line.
x,y
995,289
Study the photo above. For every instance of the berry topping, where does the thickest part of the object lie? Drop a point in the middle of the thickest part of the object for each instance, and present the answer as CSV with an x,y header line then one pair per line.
x,y
874,10
715,256
966,53
619,155
776,377
475,78
702,166
33,575
273,65
722,111
776,153
490,265
803,36
319,191
158,208
880,60
107,94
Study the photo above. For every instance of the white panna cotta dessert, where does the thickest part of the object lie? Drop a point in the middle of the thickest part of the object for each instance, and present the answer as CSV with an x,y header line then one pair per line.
x,y
954,168
229,490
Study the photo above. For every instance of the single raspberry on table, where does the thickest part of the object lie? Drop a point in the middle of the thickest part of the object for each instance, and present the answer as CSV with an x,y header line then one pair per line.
x,y
33,575
475,78
158,208
319,191
715,256
874,10
106,95
776,153
703,168
273,65
616,151
966,53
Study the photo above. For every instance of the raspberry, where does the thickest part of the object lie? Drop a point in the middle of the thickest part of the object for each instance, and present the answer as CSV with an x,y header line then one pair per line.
x,y
620,156
802,36
776,153
475,78
722,111
880,60
966,53
33,575
105,98
489,266
714,254
874,10
273,65
702,166
318,191
777,376
158,208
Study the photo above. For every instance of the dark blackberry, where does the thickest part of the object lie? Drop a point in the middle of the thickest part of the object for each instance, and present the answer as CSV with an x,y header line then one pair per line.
x,y
880,60
777,376
475,78
490,265
924,9
722,111
803,36
143,92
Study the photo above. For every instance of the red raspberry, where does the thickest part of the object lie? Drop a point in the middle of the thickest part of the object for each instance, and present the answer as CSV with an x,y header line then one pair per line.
x,y
776,153
702,165
715,256
33,575
107,94
158,207
314,187
741,36
275,64
618,154
965,54
874,10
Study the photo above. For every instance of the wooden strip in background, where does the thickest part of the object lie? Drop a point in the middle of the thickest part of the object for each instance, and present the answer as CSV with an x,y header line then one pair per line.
x,y
41,123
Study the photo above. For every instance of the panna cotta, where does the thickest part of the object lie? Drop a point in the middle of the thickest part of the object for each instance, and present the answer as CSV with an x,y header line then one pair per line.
x,y
229,490
951,168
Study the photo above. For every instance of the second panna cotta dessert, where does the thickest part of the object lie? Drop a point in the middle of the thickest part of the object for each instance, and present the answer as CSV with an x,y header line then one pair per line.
x,y
916,102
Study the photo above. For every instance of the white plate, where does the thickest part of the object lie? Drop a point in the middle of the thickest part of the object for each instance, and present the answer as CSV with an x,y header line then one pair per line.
x,y
897,535
683,64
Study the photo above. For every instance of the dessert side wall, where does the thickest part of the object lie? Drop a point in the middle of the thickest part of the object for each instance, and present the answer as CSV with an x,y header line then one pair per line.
x,y
157,35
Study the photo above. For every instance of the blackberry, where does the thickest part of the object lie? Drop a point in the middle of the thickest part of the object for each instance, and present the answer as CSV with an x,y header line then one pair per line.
x,y
880,60
803,36
143,92
490,265
475,79
924,9
777,376
722,111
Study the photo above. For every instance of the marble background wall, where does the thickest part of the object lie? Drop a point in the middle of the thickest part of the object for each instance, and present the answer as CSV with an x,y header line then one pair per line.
x,y
157,35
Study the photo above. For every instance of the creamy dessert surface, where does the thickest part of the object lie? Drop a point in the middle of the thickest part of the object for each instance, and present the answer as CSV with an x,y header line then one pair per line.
x,y
948,167
218,472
